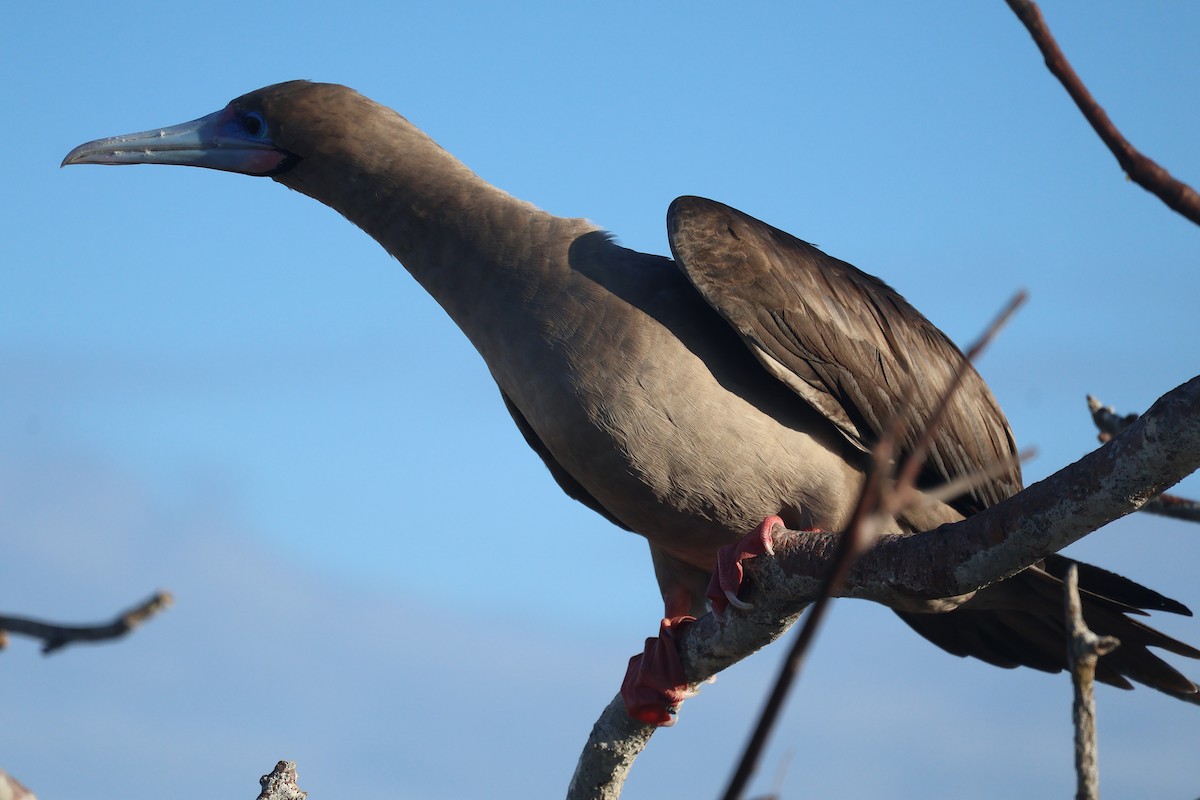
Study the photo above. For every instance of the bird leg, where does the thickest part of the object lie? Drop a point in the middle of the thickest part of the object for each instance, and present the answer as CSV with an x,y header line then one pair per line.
x,y
727,577
655,685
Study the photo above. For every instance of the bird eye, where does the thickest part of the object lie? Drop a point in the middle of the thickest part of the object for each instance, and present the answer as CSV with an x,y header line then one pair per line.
x,y
254,125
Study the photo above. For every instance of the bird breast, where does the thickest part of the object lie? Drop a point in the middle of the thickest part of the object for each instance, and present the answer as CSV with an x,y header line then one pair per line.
x,y
655,407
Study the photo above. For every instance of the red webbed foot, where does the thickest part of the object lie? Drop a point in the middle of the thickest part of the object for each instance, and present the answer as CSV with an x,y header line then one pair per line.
x,y
727,577
654,685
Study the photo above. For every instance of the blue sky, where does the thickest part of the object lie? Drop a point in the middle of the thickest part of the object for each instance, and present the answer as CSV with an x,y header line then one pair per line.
x,y
219,387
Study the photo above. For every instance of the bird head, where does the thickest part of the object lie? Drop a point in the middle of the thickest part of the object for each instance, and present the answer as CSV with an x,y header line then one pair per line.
x,y
265,132
317,138
239,138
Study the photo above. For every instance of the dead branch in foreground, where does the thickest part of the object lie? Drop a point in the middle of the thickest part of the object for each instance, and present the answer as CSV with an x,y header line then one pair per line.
x,y
1144,171
55,636
1161,448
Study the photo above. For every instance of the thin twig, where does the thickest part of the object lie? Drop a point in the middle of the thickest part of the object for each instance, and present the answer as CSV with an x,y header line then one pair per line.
x,y
1142,170
55,636
1107,420
1084,648
1175,507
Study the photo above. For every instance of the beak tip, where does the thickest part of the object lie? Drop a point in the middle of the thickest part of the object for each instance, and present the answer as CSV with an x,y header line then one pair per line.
x,y
73,157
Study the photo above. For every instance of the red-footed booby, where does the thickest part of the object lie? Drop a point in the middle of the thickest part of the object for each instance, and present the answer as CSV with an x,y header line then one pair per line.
x,y
698,401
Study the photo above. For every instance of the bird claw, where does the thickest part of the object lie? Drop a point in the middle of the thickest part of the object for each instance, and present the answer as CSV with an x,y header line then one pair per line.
x,y
727,578
655,684
737,602
768,543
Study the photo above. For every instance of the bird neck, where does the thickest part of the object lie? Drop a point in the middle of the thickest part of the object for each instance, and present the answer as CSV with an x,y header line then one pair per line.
x,y
477,250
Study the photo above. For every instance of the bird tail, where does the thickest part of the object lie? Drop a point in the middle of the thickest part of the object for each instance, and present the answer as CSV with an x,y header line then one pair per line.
x,y
1019,622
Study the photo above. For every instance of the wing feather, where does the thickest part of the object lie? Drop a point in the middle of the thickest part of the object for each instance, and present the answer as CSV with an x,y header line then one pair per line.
x,y
842,340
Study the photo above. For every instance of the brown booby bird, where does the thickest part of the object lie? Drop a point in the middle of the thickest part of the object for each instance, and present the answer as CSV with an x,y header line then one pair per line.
x,y
691,400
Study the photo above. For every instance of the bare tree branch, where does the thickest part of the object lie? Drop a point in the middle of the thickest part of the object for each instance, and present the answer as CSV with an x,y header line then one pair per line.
x,y
55,636
12,789
615,741
1143,170
1110,424
1107,420
1159,449
1084,649
1175,507
280,783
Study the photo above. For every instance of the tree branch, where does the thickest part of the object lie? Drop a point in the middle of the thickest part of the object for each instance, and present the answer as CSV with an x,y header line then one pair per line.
x,y
1084,649
1175,507
12,789
1110,424
280,783
1159,449
56,636
1142,170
